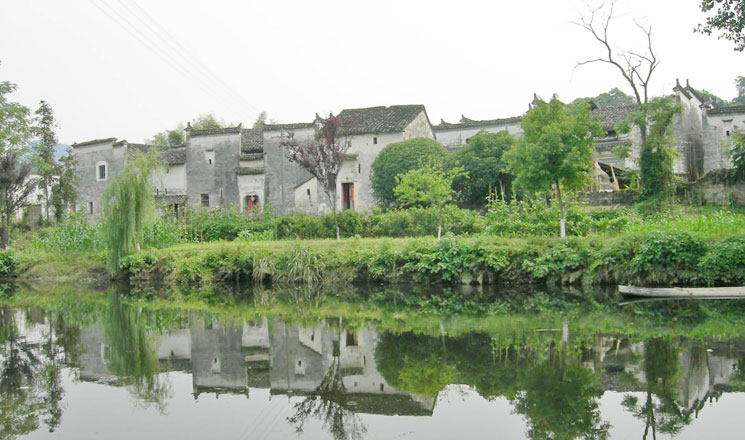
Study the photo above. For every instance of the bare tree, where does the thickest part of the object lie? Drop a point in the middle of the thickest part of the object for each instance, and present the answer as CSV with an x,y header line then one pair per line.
x,y
322,158
328,403
636,67
654,115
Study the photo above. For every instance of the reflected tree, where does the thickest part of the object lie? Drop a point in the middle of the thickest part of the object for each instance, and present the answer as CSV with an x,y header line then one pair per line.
x,y
659,411
132,354
328,403
26,391
558,398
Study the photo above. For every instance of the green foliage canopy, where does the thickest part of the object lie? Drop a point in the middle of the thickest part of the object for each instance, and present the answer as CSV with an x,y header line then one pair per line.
x,y
485,170
556,148
728,20
397,159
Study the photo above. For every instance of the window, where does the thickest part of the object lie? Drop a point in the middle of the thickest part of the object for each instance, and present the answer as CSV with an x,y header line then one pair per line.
x,y
168,170
359,168
205,200
209,161
727,132
90,208
352,339
101,171
375,140
308,192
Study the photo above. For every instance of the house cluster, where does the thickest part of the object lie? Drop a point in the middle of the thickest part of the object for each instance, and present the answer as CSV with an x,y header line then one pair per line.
x,y
250,169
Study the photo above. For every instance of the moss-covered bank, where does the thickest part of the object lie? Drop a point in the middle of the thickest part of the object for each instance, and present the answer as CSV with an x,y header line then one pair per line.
x,y
660,258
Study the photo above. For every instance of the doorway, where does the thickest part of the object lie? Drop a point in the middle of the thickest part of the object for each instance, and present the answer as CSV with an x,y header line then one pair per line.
x,y
347,196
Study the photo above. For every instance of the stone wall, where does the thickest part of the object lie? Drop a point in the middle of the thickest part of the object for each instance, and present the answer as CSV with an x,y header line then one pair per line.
x,y
607,198
715,188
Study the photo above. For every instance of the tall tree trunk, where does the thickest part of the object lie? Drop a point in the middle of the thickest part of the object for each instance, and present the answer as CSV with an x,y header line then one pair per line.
x,y
5,232
332,196
46,203
562,215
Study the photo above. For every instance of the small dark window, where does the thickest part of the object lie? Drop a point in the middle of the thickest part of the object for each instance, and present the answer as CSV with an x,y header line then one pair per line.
x,y
205,200
90,207
299,363
375,140
210,161
381,387
359,168
168,170
351,339
727,132
102,170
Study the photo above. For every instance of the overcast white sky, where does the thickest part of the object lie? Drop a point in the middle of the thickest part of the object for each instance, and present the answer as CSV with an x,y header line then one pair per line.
x,y
130,68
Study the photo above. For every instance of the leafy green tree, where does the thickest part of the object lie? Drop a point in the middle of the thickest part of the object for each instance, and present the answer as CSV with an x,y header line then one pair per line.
x,y
15,187
260,121
64,193
397,159
425,187
43,149
657,153
613,98
168,138
485,170
556,150
205,121
728,20
128,203
740,85
737,155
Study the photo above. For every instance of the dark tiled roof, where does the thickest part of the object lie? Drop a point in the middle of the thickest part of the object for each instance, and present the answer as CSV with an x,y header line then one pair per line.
x,y
251,156
214,131
295,126
247,171
94,142
174,155
252,140
727,110
377,119
611,115
467,123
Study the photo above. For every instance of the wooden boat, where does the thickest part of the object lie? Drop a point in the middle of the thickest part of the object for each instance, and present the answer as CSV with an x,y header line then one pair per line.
x,y
683,292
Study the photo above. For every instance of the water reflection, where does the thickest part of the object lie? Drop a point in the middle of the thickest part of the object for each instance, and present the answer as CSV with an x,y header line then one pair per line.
x,y
335,375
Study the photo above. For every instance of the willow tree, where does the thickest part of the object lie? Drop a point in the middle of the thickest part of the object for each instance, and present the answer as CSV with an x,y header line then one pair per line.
x,y
128,204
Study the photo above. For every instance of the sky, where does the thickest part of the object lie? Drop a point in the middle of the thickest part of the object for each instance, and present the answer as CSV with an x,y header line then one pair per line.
x,y
131,68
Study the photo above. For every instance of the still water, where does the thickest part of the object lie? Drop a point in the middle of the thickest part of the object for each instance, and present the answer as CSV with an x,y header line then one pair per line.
x,y
118,372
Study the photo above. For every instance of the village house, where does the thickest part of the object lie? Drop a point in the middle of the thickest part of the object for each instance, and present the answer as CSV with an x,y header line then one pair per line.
x,y
249,168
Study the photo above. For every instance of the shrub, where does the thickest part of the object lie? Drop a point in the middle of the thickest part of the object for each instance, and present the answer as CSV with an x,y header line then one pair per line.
x,y
8,263
74,233
724,262
667,257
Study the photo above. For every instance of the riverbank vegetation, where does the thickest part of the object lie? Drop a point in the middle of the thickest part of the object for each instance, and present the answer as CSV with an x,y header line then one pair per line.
x,y
510,244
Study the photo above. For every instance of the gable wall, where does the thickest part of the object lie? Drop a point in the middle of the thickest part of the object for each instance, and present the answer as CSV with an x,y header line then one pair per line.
x,y
218,179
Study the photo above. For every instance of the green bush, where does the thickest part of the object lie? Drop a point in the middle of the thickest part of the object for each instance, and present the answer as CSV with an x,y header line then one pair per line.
x,y
533,218
74,233
724,262
667,257
8,263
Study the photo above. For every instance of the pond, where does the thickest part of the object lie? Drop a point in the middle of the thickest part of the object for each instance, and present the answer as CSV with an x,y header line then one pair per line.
x,y
119,371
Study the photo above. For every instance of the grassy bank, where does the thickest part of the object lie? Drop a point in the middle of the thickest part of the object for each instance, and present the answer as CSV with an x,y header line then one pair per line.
x,y
645,258
690,246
